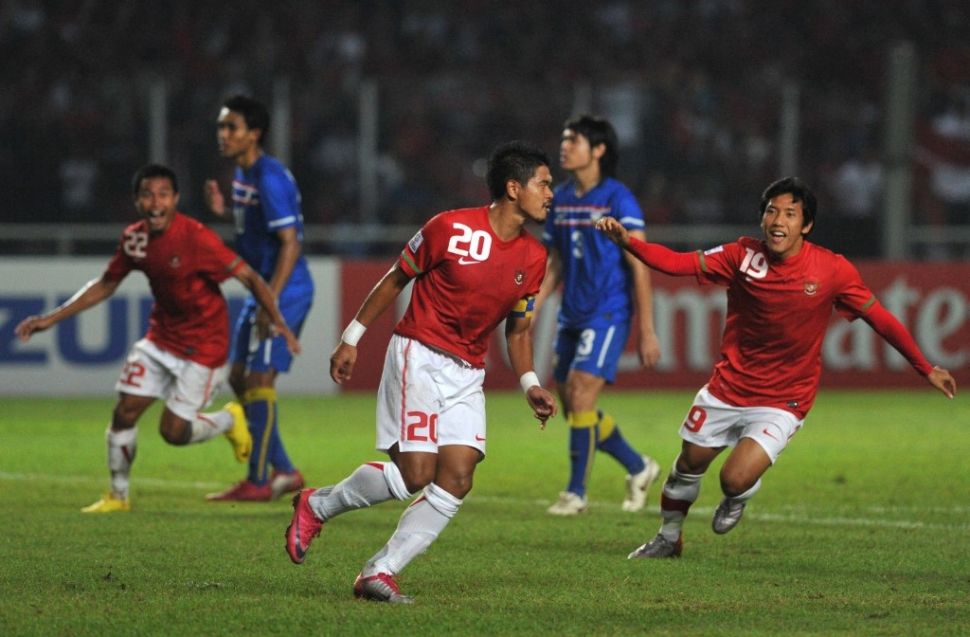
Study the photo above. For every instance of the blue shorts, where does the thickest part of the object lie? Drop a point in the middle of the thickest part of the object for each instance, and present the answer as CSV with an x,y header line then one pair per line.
x,y
595,348
271,353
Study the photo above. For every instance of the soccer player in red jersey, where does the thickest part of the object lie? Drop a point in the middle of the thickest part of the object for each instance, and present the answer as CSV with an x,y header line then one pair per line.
x,y
781,291
182,357
472,268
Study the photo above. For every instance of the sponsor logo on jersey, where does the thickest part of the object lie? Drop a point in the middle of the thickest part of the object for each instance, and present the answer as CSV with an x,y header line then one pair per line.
x,y
467,261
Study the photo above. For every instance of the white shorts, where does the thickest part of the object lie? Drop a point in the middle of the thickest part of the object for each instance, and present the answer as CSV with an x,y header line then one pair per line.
x,y
186,386
714,423
428,400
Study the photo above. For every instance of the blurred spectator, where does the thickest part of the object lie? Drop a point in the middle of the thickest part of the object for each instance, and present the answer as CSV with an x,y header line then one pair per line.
x,y
695,89
855,189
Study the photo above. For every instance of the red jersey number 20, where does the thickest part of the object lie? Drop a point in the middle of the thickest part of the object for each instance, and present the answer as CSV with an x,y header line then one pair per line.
x,y
476,244
421,427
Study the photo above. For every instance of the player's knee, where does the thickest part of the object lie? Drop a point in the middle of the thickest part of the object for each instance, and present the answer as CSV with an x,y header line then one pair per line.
x,y
457,485
580,398
417,478
734,483
124,417
174,430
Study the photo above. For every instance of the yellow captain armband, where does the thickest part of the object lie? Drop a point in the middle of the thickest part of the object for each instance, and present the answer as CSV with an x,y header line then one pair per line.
x,y
523,308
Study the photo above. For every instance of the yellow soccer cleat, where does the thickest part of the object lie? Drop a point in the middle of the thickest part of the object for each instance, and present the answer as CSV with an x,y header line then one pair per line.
x,y
238,435
108,504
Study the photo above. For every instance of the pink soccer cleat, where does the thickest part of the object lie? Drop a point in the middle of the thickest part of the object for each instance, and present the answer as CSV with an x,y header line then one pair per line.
x,y
303,527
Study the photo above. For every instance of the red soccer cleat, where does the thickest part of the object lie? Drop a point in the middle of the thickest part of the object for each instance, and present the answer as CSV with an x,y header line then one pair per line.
x,y
243,491
303,527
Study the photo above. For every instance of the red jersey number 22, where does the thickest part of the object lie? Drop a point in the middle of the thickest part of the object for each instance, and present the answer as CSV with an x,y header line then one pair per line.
x,y
136,245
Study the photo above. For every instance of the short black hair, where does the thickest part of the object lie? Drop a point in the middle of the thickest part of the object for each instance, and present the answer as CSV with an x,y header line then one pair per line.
x,y
153,170
516,160
598,131
252,110
799,191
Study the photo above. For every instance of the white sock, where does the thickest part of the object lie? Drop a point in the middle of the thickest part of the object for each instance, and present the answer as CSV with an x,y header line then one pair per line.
x,y
122,445
419,526
371,483
679,492
205,426
744,497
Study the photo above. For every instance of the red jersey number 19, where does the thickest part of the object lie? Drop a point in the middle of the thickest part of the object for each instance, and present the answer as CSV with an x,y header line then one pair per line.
x,y
695,419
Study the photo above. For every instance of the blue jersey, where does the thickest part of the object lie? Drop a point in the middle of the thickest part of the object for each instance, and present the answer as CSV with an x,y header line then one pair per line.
x,y
265,200
596,277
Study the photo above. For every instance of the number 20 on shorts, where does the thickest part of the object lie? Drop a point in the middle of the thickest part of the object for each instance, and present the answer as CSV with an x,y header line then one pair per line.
x,y
421,427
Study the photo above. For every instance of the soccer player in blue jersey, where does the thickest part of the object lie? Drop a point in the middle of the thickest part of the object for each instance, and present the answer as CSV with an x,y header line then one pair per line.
x,y
269,235
603,288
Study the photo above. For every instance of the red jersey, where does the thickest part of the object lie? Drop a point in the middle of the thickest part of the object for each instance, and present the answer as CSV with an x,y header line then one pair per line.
x,y
184,265
467,281
777,316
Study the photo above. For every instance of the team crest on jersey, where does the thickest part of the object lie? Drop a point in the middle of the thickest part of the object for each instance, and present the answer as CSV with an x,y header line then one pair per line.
x,y
416,241
174,262
811,287
519,277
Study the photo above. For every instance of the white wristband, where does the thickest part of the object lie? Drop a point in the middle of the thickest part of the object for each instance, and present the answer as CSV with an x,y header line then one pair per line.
x,y
528,380
353,333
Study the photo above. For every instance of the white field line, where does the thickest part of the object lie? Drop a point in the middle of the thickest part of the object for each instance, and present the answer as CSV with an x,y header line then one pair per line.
x,y
155,482
801,516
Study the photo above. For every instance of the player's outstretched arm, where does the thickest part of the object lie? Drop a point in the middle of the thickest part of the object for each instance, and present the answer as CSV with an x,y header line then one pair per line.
x,y
344,355
92,293
896,334
267,300
656,256
290,249
214,199
612,228
942,380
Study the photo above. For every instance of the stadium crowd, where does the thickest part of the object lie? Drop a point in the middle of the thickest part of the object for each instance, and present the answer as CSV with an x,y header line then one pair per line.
x,y
695,90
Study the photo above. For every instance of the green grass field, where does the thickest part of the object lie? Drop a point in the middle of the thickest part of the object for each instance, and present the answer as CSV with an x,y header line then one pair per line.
x,y
862,528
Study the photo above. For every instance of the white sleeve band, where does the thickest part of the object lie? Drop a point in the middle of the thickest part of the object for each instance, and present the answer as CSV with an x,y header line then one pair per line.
x,y
528,380
353,333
